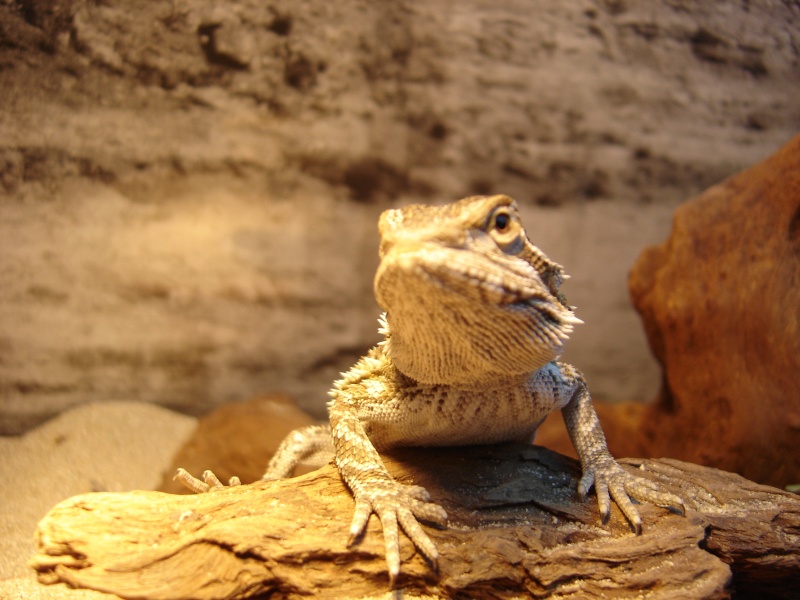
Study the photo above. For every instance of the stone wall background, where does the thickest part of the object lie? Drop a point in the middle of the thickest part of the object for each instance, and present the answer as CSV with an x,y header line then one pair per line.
x,y
190,189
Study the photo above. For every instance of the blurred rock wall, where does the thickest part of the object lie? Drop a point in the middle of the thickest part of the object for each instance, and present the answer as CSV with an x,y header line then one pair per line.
x,y
190,189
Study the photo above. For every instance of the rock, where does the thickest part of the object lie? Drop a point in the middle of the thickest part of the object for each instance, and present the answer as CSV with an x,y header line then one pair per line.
x,y
238,439
515,503
720,301
227,44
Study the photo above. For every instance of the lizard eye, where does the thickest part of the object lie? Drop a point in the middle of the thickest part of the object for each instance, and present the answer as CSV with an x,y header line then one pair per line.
x,y
501,221
505,231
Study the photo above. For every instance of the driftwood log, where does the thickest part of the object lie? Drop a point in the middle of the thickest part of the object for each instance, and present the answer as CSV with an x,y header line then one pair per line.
x,y
516,529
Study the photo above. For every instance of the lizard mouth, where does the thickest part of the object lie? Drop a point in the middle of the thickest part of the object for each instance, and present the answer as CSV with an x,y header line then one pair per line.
x,y
473,286
494,281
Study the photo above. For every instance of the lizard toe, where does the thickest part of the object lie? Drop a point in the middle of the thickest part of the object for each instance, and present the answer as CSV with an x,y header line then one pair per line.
x,y
648,491
188,481
418,536
359,523
586,483
603,499
391,541
620,495
417,492
428,511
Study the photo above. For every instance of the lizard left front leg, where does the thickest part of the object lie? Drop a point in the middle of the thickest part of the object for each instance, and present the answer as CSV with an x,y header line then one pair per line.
x,y
600,470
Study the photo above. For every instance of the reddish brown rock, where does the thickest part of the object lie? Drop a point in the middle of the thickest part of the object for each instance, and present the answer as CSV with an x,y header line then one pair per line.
x,y
238,439
720,301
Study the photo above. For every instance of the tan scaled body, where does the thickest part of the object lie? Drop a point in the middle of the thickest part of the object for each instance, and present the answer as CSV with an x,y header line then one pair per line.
x,y
473,326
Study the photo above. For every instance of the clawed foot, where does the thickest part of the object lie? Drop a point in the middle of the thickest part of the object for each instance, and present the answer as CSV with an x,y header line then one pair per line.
x,y
396,503
209,483
611,481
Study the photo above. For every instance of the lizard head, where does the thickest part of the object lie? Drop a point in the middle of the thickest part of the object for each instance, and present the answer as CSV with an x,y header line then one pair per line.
x,y
468,298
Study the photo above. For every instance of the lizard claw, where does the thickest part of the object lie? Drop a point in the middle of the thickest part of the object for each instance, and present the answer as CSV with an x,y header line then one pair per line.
x,y
359,524
611,481
209,483
398,506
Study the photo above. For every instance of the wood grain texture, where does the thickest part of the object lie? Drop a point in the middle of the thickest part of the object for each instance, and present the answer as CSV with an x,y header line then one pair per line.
x,y
516,529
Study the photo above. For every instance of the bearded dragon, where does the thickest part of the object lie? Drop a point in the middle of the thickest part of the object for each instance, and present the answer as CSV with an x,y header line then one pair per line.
x,y
473,327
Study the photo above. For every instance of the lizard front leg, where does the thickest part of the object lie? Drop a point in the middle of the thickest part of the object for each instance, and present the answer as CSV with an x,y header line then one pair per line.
x,y
600,470
375,491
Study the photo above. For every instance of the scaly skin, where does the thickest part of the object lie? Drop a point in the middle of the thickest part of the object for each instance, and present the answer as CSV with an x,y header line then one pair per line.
x,y
473,326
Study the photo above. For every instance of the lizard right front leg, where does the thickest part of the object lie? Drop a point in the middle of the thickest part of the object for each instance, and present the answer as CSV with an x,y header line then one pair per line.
x,y
375,491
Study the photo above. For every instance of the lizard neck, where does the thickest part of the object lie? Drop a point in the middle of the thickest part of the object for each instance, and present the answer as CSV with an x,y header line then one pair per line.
x,y
432,349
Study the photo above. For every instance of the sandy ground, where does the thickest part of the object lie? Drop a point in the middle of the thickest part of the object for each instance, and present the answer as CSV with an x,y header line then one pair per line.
x,y
113,446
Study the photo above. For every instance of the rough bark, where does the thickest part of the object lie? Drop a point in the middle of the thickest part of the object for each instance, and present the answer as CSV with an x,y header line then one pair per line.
x,y
516,529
